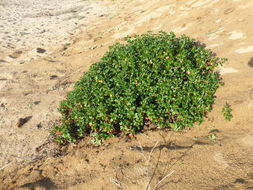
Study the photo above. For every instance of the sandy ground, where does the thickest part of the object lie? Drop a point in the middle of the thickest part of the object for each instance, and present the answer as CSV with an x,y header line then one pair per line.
x,y
30,24
30,31
190,159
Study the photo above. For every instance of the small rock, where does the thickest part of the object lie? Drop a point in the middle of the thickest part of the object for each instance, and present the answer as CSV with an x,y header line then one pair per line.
x,y
93,47
250,63
36,102
41,50
239,180
27,93
52,77
39,126
22,121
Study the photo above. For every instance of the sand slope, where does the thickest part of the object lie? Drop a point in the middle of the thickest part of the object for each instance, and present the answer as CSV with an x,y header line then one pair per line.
x,y
189,158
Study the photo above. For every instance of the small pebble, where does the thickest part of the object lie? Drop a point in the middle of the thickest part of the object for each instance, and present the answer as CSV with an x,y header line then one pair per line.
x,y
39,126
22,121
52,77
41,50
250,63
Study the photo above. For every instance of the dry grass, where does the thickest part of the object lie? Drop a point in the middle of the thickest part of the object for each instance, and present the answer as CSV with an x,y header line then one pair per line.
x,y
145,174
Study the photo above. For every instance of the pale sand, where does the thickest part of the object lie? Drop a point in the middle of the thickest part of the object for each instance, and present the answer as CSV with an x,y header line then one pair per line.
x,y
26,25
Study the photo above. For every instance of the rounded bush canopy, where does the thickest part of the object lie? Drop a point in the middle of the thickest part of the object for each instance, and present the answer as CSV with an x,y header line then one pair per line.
x,y
160,78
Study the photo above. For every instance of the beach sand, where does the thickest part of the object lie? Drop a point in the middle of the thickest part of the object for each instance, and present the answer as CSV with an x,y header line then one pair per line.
x,y
27,25
216,155
31,30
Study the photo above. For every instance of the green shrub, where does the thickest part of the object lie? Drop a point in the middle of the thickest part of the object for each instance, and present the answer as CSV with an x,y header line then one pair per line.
x,y
157,77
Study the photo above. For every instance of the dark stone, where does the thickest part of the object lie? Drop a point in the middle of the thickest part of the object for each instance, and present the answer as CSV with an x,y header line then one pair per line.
x,y
52,77
39,126
22,121
250,63
36,102
239,180
41,50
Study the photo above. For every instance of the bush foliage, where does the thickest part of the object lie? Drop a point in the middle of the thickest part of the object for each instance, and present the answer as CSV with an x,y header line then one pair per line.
x,y
160,78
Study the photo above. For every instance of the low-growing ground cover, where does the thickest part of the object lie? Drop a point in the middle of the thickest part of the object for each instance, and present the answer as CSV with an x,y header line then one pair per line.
x,y
167,80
